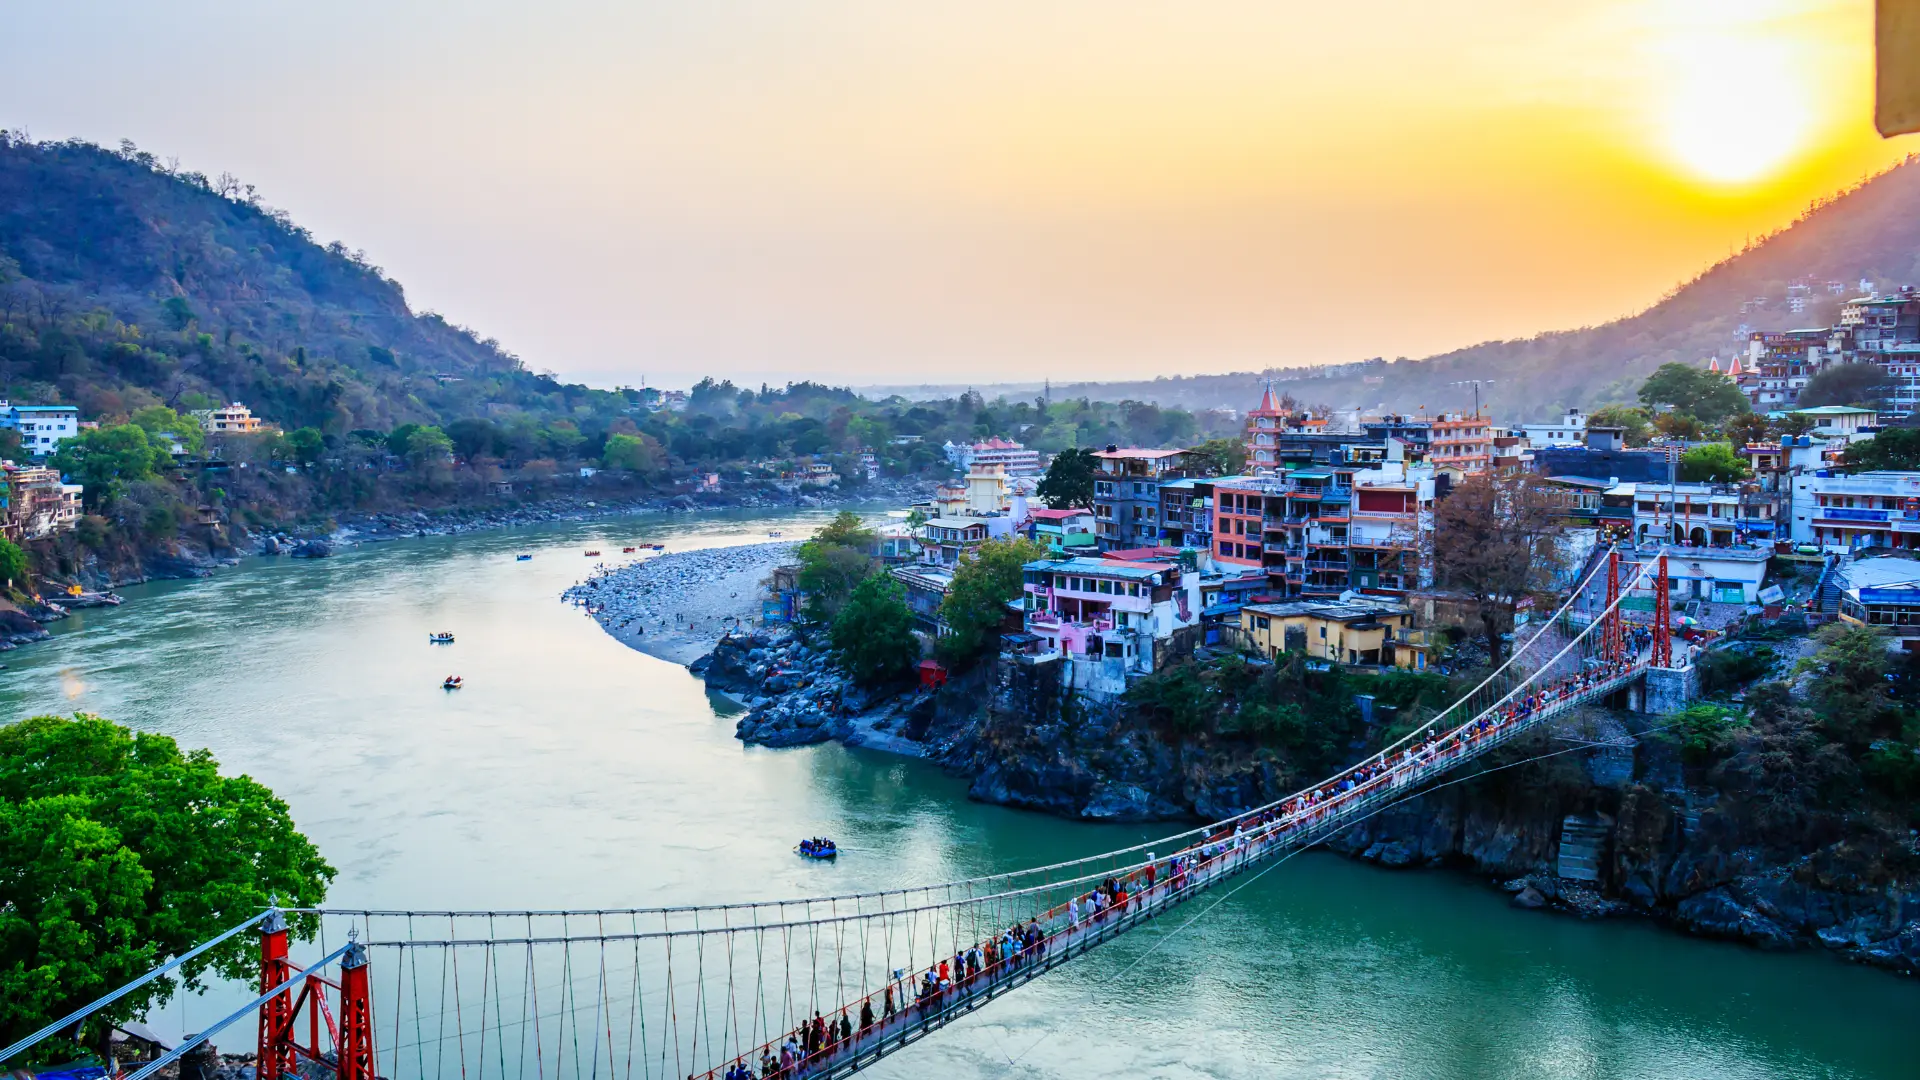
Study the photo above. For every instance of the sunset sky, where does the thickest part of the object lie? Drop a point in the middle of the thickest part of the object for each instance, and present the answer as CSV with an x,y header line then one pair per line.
x,y
991,191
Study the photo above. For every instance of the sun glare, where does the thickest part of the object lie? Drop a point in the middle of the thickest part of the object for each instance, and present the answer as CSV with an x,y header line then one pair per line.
x,y
1738,105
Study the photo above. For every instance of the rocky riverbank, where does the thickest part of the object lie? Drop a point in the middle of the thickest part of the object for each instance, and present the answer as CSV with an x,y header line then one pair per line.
x,y
677,605
795,696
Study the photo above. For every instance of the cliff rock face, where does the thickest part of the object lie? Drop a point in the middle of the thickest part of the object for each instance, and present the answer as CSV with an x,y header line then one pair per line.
x,y
1645,842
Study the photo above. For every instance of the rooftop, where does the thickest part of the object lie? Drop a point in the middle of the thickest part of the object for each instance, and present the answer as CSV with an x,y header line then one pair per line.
x,y
1337,612
1125,453
1110,568
1045,514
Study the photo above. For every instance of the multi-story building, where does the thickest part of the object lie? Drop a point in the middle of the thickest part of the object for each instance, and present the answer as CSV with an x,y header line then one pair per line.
x,y
1126,494
1461,444
230,419
1318,532
1841,421
1779,363
1013,458
1569,430
1879,509
1186,514
1110,609
1700,515
1357,633
924,588
42,428
1414,432
39,504
943,540
1390,539
1884,593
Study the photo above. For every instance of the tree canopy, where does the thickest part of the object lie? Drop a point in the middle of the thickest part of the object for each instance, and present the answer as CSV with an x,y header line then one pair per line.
x,y
1846,384
1890,448
833,561
983,583
873,635
1707,396
121,851
1712,462
1068,484
1633,421
108,459
1497,539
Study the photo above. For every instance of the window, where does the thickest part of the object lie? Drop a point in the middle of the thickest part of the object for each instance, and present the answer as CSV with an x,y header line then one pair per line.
x,y
1261,621
1323,633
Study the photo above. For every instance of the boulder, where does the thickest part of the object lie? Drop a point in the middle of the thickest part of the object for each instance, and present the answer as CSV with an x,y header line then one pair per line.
x,y
312,549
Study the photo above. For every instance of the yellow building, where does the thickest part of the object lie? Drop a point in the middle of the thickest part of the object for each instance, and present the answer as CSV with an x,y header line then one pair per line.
x,y
1373,634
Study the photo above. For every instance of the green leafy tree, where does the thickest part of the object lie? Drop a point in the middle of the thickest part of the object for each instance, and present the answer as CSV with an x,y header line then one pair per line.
x,y
427,447
1635,423
984,582
13,564
634,453
1712,462
157,420
106,460
1707,396
837,558
397,439
1892,448
1069,480
1864,385
1703,731
873,634
474,436
1748,428
1221,457
121,852
305,445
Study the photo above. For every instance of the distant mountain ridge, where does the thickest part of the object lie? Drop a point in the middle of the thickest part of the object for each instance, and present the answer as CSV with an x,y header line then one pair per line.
x,y
1871,231
122,280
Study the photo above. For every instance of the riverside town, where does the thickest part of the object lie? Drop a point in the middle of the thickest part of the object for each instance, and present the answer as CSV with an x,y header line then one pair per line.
x,y
1241,542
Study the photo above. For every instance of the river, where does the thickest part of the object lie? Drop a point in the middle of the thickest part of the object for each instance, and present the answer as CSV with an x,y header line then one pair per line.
x,y
572,771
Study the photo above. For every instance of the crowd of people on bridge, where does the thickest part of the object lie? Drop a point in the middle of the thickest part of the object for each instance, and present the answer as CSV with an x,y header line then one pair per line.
x,y
1022,945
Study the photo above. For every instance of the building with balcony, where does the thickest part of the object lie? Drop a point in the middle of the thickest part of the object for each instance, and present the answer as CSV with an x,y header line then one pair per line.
x,y
1460,444
1186,514
1126,494
1381,635
42,428
1879,509
1013,458
943,540
1120,611
1840,421
1390,534
924,588
1779,363
230,419
1700,515
39,504
1415,432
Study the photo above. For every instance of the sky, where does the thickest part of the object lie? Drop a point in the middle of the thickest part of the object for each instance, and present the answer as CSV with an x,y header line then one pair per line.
x,y
884,192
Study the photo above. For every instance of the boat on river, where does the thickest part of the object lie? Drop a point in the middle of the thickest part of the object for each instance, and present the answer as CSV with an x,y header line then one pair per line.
x,y
522,558
441,638
818,847
627,551
452,682
593,553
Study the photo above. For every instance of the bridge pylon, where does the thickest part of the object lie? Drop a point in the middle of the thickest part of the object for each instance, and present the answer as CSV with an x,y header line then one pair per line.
x,y
1662,616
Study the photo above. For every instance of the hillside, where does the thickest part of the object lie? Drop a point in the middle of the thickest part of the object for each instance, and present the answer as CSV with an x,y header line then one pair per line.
x,y
1871,231
124,283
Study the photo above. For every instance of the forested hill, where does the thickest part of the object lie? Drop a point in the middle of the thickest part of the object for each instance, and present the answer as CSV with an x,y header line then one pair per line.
x,y
1871,231
124,282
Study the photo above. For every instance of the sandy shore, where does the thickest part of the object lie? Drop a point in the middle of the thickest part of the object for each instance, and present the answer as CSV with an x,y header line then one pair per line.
x,y
675,606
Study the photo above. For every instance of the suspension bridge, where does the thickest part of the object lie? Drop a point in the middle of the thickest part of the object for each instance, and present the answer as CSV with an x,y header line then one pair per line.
x,y
823,987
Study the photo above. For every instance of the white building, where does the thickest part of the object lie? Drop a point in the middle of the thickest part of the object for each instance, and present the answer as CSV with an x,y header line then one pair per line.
x,y
1108,620
1847,513
42,428
1569,430
230,419
1013,458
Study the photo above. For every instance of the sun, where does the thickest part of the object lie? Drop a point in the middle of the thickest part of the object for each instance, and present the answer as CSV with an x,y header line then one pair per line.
x,y
1736,107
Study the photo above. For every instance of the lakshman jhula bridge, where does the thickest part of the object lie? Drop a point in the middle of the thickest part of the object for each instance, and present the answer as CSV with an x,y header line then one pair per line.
x,y
826,986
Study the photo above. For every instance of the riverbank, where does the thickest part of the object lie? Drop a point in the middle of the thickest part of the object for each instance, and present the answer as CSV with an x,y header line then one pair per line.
x,y
677,605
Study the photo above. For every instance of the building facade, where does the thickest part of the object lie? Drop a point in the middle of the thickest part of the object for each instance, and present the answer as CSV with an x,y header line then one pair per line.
x,y
1126,494
42,428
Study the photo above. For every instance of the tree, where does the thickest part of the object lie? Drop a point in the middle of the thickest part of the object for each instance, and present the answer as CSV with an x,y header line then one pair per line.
x,y
1707,396
108,459
873,634
306,445
120,853
13,564
474,436
1678,425
158,420
1896,449
1633,421
634,453
976,604
1864,385
1069,481
1710,463
1748,428
397,439
837,558
1497,539
428,446
1221,457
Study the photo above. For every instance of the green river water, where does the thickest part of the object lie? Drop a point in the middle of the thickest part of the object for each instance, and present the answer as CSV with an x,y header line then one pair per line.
x,y
575,772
